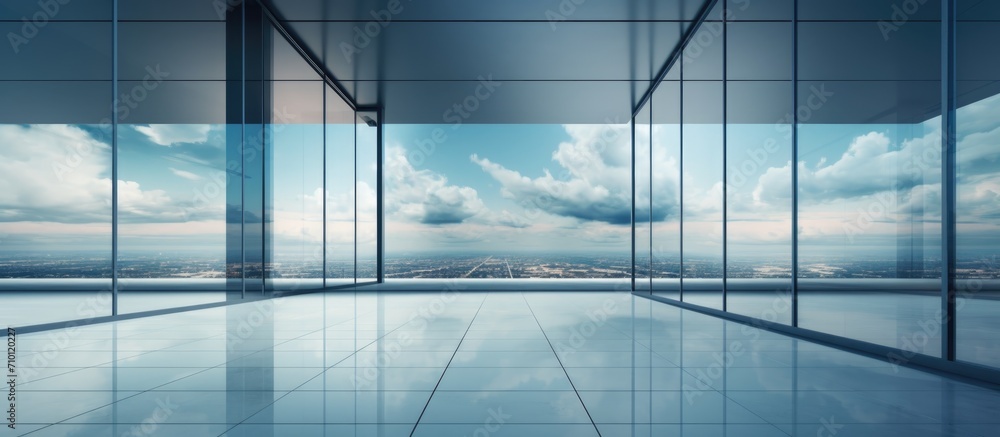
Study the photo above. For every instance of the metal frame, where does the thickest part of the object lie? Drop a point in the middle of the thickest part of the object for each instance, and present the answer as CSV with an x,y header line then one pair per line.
x,y
114,158
633,200
795,163
379,195
676,55
725,157
949,144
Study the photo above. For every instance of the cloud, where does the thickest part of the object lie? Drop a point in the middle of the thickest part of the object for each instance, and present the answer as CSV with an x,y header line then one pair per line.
x,y
869,166
594,183
508,219
424,196
185,174
170,134
62,174
53,173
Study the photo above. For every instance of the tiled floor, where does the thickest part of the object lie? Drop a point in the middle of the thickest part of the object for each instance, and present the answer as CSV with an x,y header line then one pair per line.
x,y
470,364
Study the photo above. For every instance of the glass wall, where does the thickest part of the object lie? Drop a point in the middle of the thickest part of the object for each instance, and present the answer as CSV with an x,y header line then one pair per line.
x,y
642,220
200,157
294,193
843,138
978,184
365,200
666,184
758,150
172,165
340,177
868,104
525,201
55,164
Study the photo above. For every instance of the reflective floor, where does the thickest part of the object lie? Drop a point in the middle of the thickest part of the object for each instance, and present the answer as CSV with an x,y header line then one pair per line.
x,y
470,364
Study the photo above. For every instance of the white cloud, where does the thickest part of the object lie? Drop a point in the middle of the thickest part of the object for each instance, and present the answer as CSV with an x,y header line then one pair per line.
x,y
424,196
53,173
869,166
170,134
61,174
185,174
595,181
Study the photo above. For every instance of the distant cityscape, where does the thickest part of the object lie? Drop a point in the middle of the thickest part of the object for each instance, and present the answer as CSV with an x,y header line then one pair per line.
x,y
493,266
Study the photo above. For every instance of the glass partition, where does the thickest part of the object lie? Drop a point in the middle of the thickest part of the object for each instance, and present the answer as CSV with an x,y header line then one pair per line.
x,y
978,185
641,197
340,191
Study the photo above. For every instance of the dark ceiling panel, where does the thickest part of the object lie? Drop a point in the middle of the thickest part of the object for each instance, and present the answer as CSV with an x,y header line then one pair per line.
x,y
525,102
585,63
468,10
509,50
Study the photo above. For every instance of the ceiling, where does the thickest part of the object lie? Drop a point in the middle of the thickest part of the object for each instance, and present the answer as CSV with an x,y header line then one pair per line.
x,y
546,61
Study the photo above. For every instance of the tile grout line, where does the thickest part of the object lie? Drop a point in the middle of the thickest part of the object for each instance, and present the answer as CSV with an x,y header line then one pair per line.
x,y
322,373
140,392
447,366
204,369
540,328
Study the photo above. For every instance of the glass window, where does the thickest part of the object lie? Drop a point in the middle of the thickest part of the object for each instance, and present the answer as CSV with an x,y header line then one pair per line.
x,y
365,200
665,193
978,185
55,162
641,197
759,200
294,186
508,201
869,247
340,177
868,104
703,178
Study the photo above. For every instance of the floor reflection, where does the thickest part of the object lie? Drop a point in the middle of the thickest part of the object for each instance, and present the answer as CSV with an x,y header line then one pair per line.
x,y
496,364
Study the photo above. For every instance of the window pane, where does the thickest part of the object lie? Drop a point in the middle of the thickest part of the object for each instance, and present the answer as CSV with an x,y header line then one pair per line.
x,y
666,199
869,246
703,178
509,201
55,208
366,153
978,186
642,199
759,196
173,178
294,191
55,222
339,191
